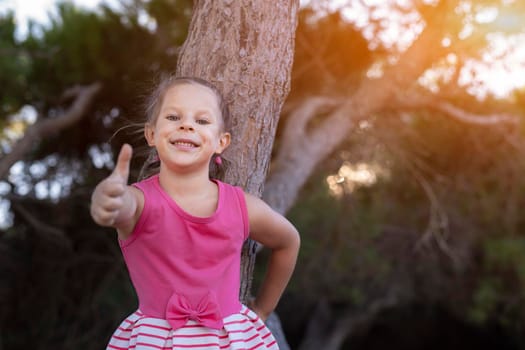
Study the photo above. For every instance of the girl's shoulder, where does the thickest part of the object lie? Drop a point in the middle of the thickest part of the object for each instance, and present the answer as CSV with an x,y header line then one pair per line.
x,y
147,183
248,200
147,188
229,190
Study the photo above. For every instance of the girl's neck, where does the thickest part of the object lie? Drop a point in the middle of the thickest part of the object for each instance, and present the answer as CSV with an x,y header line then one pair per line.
x,y
184,184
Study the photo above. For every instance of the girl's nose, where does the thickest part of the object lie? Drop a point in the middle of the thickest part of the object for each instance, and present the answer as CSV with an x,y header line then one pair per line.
x,y
186,125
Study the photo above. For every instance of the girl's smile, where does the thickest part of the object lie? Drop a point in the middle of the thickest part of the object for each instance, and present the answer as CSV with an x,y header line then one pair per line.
x,y
184,144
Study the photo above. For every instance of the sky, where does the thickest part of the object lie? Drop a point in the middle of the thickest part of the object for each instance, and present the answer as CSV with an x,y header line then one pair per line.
x,y
38,10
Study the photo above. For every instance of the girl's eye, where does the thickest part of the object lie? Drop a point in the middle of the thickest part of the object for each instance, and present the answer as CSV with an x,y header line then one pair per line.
x,y
172,117
203,121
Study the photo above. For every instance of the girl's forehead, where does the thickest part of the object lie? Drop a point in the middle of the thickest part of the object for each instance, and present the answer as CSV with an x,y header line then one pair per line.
x,y
191,95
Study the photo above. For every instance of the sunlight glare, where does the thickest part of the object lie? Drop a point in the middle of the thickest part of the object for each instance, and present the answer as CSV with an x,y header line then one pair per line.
x,y
446,42
486,15
501,69
373,2
101,156
353,176
376,70
16,127
467,31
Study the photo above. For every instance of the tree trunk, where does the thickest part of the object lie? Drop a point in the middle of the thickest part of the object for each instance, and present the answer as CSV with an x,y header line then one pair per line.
x,y
246,49
328,328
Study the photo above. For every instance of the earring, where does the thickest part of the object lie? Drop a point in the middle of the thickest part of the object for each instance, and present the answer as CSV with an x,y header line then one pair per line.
x,y
218,160
155,157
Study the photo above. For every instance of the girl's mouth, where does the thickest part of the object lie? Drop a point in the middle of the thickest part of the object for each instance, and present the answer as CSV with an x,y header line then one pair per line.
x,y
183,143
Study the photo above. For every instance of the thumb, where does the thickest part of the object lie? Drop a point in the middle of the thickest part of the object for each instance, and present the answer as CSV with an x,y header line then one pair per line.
x,y
123,162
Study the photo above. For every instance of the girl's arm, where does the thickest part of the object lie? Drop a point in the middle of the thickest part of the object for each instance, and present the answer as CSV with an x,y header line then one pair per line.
x,y
113,202
275,232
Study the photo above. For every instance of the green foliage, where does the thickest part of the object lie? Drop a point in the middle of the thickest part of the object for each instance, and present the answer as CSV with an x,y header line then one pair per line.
x,y
65,284
172,18
507,252
375,240
500,294
339,244
485,300
15,66
331,55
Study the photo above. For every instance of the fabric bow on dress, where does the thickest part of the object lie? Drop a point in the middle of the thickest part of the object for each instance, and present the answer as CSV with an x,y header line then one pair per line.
x,y
206,312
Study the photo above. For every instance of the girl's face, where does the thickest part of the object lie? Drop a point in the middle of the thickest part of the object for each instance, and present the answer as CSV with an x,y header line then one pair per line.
x,y
188,130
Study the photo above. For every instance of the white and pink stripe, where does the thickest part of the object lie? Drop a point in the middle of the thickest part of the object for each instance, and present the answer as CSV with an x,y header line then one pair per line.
x,y
242,331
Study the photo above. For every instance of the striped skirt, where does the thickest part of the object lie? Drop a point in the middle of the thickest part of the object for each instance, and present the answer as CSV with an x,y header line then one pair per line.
x,y
242,331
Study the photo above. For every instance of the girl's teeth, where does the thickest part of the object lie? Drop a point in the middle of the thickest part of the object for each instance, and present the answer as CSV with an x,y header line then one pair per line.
x,y
187,144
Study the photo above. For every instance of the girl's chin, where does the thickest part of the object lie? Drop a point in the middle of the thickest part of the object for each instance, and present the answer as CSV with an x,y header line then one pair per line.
x,y
185,164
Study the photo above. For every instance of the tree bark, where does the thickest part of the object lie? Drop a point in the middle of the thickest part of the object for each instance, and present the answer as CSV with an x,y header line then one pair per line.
x,y
246,49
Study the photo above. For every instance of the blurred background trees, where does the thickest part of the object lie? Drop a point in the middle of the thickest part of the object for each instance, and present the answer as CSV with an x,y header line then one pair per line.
x,y
398,156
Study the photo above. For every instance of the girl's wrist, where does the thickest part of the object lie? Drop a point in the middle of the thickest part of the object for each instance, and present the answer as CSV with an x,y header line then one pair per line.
x,y
263,315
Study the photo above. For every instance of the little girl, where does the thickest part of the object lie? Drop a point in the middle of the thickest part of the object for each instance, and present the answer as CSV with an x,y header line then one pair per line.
x,y
181,233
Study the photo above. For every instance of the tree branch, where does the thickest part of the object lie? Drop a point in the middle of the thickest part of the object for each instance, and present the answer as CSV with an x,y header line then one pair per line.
x,y
297,122
460,114
42,229
295,163
328,331
45,127
473,118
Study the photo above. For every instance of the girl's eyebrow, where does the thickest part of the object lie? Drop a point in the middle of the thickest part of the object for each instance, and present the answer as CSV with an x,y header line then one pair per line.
x,y
169,109
199,111
204,112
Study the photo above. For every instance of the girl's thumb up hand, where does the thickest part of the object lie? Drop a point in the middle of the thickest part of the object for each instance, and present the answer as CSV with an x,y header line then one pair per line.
x,y
121,171
108,198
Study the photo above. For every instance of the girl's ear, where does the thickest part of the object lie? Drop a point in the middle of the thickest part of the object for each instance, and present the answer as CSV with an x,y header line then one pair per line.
x,y
224,142
149,134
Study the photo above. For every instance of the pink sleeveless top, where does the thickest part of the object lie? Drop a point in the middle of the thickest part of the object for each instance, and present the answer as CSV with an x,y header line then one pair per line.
x,y
185,267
